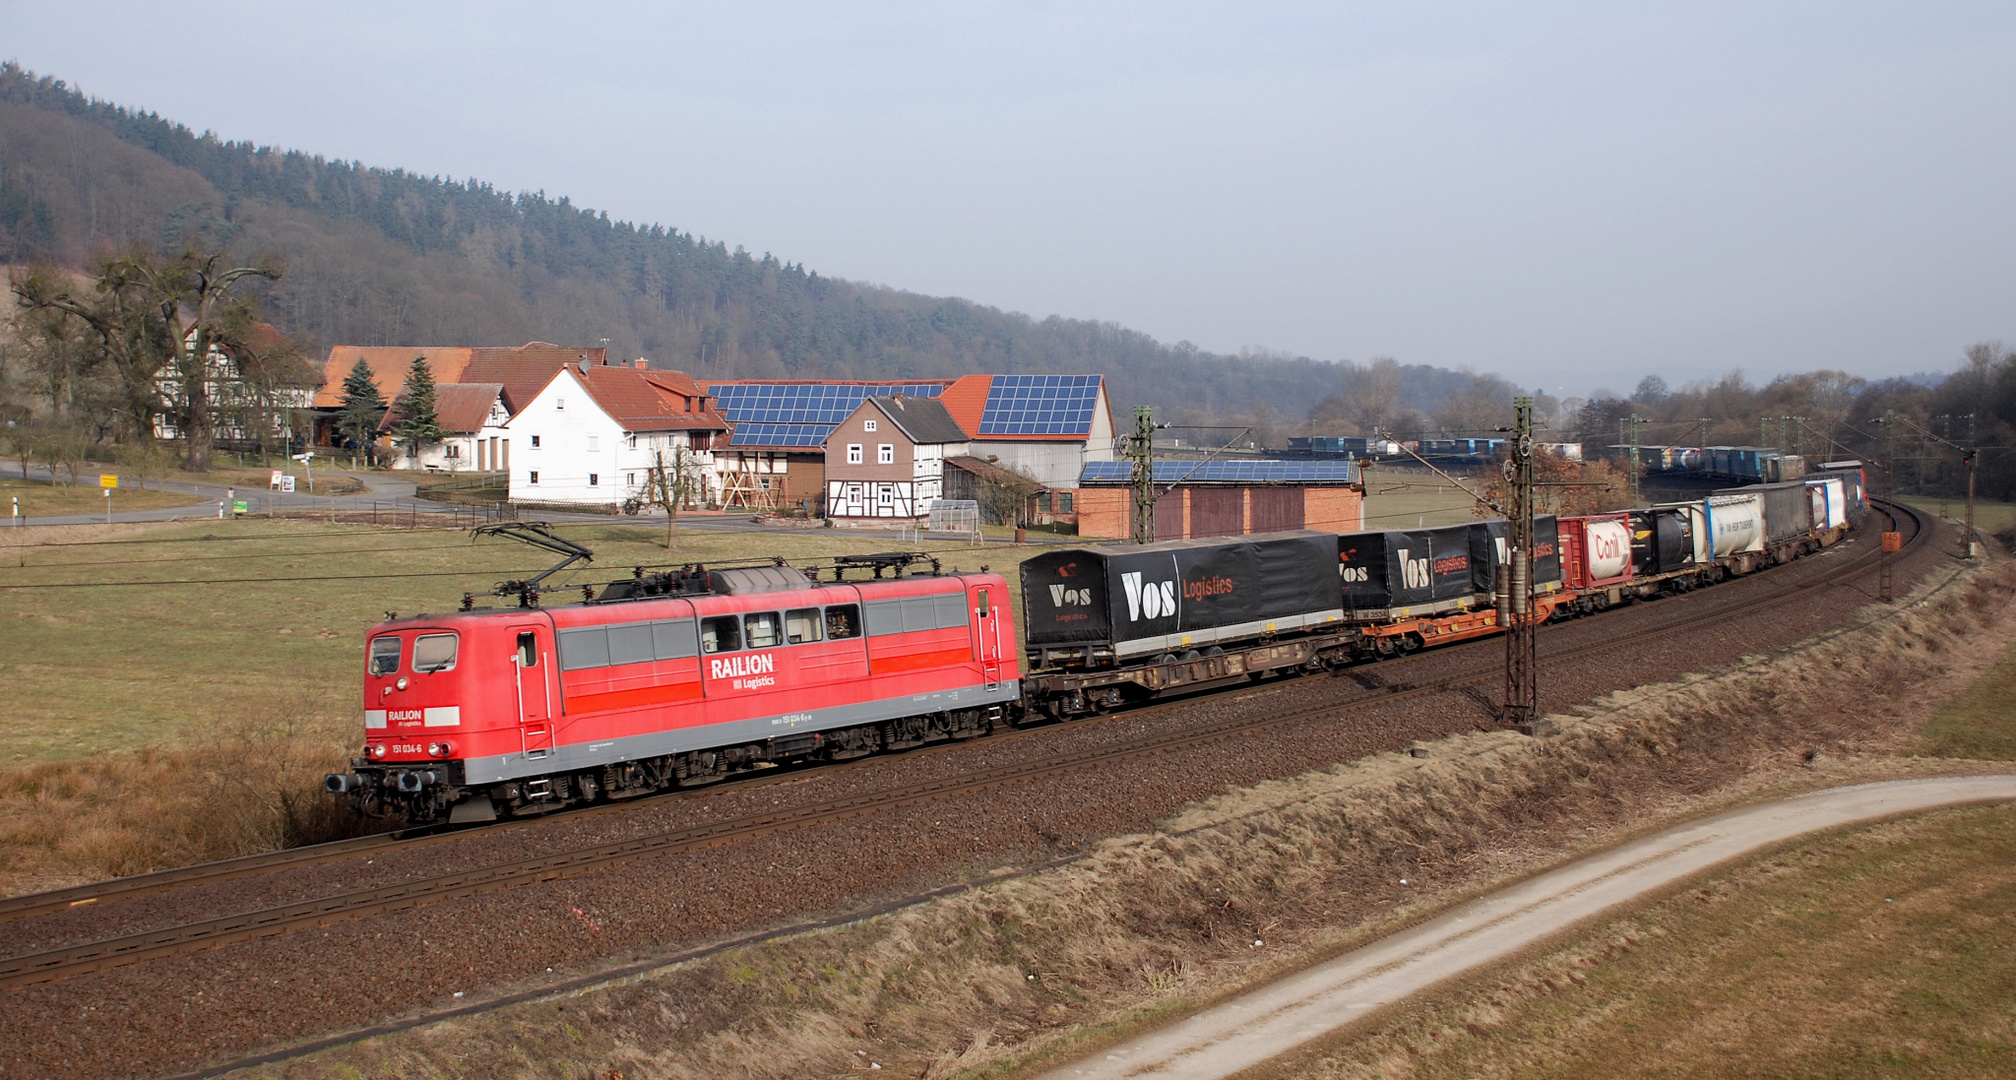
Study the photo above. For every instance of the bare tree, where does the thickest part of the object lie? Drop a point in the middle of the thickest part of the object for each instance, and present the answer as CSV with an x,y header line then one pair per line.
x,y
165,325
673,485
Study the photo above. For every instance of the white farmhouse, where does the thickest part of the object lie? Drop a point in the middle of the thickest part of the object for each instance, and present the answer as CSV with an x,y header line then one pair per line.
x,y
471,417
591,436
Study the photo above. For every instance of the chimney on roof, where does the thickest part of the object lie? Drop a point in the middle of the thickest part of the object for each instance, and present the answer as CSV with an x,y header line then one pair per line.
x,y
584,366
641,364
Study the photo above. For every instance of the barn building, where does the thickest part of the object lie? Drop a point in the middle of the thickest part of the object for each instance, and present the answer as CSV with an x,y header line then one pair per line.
x,y
520,372
1043,427
1224,498
775,458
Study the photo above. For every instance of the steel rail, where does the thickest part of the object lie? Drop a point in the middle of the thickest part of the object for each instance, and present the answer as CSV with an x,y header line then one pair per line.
x,y
70,961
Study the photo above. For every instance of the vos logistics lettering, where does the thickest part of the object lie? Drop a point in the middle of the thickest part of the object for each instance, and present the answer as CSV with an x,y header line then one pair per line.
x,y
1150,600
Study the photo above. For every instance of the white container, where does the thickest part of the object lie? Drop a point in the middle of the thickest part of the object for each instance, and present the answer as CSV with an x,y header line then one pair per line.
x,y
1735,524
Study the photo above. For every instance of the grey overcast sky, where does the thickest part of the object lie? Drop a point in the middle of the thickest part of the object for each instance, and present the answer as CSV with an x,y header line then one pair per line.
x,y
1568,194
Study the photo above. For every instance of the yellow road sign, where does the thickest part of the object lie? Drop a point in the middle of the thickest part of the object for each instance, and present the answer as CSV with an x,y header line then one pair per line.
x,y
107,480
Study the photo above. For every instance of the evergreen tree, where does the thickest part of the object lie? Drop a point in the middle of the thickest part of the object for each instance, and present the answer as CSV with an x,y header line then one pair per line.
x,y
418,425
363,406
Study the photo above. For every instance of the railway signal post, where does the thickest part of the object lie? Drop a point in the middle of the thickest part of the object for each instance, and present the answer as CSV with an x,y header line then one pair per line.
x,y
1521,706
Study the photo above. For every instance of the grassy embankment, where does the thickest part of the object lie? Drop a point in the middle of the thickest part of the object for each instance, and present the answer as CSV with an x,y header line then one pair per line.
x,y
165,709
1886,950
1883,950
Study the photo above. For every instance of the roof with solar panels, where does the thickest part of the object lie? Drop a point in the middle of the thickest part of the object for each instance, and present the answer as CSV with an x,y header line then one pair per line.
x,y
799,414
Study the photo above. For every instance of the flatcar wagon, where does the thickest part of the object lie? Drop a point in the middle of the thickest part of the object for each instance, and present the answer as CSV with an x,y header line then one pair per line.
x,y
486,712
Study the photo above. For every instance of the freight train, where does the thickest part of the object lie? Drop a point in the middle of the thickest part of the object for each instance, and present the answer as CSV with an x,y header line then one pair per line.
x,y
689,676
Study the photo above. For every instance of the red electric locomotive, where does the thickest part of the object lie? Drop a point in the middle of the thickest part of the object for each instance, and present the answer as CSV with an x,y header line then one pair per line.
x,y
672,679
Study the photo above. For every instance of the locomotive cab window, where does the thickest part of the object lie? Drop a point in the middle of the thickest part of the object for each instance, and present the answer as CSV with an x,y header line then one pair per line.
x,y
722,633
528,650
385,655
801,625
759,629
434,652
843,621
986,607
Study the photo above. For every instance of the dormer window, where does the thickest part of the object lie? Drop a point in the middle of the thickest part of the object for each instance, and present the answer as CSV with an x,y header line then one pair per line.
x,y
867,425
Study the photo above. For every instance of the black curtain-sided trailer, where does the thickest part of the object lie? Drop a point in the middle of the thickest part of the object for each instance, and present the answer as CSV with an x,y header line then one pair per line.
x,y
1114,623
1125,601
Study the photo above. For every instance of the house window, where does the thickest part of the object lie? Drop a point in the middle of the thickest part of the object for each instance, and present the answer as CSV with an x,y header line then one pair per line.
x,y
629,479
853,493
633,441
594,444
559,404
885,495
1063,502
853,453
535,477
592,479
535,442
1043,503
885,454
453,450
867,425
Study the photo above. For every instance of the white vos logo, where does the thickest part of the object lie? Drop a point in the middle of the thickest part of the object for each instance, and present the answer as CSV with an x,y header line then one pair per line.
x,y
1150,600
1355,575
1061,596
1413,572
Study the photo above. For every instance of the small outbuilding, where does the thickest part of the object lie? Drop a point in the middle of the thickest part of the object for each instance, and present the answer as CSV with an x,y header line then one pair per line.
x,y
1224,498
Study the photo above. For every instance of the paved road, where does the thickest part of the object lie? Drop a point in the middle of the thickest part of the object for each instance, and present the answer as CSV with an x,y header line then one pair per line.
x,y
394,494
1275,1019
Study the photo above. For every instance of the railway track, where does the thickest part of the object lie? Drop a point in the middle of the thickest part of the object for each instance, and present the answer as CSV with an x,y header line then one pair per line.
x,y
83,958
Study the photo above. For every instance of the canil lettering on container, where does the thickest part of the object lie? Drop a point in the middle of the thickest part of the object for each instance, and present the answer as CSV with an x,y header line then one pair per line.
x,y
1151,600
730,667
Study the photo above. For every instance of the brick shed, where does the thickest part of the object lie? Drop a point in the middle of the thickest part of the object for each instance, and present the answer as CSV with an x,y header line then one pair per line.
x,y
1224,498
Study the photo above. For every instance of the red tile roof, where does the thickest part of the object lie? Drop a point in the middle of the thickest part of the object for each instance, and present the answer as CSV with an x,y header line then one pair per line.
x,y
522,371
458,407
966,400
651,400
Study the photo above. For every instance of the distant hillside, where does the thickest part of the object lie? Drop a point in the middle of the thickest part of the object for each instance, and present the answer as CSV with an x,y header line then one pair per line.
x,y
382,256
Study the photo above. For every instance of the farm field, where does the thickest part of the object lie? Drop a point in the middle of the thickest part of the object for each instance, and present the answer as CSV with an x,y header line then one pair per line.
x,y
1990,518
1887,950
39,498
146,636
1414,500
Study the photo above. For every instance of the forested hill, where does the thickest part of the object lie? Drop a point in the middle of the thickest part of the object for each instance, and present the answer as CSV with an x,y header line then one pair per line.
x,y
383,256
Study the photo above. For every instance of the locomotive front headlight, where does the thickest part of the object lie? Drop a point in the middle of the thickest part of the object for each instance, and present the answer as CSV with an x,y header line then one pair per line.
x,y
378,750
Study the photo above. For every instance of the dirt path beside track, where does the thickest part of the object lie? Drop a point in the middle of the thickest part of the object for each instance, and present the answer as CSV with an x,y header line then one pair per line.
x,y
1255,1027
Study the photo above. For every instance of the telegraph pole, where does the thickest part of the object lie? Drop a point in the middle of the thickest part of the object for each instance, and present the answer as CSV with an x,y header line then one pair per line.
x,y
1635,464
1521,707
1970,456
1142,449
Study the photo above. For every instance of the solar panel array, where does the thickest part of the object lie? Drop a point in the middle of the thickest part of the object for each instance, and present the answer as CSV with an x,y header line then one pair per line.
x,y
1040,405
1226,472
799,414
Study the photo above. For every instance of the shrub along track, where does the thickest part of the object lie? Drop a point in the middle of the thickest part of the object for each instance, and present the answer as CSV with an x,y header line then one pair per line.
x,y
187,935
